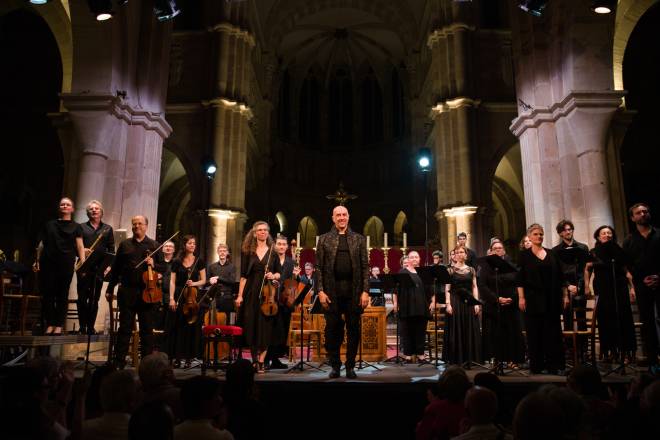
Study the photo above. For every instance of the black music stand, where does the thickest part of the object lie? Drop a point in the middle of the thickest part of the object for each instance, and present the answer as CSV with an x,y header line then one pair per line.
x,y
361,364
94,266
431,276
576,257
301,364
392,282
471,301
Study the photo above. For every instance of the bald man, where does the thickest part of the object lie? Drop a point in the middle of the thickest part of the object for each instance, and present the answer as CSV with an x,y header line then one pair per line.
x,y
343,283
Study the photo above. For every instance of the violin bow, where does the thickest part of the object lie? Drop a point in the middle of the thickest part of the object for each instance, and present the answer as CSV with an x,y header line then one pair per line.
x,y
156,250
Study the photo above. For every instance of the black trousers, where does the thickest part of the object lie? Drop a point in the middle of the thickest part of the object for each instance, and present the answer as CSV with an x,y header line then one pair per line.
x,y
54,282
129,300
649,305
281,350
346,315
544,342
89,292
413,333
581,315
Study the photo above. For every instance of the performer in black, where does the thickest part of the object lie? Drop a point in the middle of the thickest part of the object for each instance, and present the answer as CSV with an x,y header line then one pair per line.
x,y
310,277
414,307
188,270
257,262
615,327
462,340
643,250
541,292
502,335
343,271
90,283
60,241
461,241
129,296
286,269
222,274
573,257
375,291
165,319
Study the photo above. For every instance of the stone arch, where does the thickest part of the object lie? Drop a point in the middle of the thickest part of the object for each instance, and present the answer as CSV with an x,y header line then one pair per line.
x,y
281,222
308,232
628,13
507,195
400,226
375,229
176,201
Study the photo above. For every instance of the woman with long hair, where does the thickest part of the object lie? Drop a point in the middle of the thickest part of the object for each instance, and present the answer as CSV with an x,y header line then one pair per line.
x,y
462,337
257,268
612,283
188,270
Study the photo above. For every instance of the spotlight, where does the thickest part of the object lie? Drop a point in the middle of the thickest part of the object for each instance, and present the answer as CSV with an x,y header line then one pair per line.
x,y
209,166
603,6
534,7
166,9
424,159
39,2
102,9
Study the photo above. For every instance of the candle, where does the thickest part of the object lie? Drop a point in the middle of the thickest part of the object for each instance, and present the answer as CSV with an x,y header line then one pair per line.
x,y
385,239
317,241
368,242
405,240
298,239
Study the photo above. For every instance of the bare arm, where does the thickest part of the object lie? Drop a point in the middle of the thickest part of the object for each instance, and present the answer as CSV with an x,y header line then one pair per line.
x,y
587,278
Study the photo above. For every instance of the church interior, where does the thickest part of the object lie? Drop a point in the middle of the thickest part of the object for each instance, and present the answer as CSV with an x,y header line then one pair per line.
x,y
425,118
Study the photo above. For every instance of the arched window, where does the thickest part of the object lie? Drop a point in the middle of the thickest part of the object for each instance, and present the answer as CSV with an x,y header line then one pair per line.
x,y
308,232
341,109
309,111
281,222
400,226
374,229
372,110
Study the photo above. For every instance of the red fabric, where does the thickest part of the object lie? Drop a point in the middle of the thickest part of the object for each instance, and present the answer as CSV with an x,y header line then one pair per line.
x,y
225,330
441,420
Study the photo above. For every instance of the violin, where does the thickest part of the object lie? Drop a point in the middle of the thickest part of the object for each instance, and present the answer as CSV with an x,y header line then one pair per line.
x,y
268,292
190,304
152,292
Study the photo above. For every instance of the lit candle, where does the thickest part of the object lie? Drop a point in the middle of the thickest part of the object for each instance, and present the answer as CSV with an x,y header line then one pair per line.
x,y
298,240
385,239
368,242
405,240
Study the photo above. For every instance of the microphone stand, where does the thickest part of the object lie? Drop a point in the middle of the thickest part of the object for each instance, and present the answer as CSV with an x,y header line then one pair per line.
x,y
621,368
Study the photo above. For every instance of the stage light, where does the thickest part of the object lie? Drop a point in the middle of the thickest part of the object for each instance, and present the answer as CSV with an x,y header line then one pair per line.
x,y
39,2
102,9
209,166
166,9
603,6
424,159
534,7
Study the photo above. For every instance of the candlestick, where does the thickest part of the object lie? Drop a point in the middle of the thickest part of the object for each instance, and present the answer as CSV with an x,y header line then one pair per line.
x,y
385,239
298,243
368,242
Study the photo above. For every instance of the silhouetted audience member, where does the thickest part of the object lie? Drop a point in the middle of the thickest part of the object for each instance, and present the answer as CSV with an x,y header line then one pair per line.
x,y
505,402
587,383
245,413
574,409
93,397
481,406
650,409
152,420
158,383
203,409
538,417
445,411
120,393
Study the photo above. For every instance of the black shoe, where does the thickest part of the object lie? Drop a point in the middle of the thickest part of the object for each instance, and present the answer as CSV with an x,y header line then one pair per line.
x,y
276,364
350,373
334,373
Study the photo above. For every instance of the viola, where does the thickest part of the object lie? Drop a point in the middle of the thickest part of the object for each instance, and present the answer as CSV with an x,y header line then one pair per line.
x,y
292,288
268,291
152,292
190,307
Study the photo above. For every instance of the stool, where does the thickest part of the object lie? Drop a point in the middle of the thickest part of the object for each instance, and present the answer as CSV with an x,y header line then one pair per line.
x,y
214,334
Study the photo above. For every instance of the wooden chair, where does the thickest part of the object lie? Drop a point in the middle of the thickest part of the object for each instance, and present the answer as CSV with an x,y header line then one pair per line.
x,y
134,344
577,337
310,331
440,313
11,290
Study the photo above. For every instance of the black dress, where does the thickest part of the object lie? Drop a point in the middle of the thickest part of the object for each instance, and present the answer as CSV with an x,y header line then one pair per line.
x,y
612,337
502,333
188,337
414,315
462,342
259,331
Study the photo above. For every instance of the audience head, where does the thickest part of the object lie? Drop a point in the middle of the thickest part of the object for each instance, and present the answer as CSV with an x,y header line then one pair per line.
x,y
93,400
481,405
538,417
490,381
240,380
200,397
453,384
155,371
572,406
152,420
585,381
120,392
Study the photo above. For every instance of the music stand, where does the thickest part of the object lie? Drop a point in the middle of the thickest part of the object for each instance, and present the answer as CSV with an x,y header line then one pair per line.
x,y
301,364
576,257
94,266
392,282
431,275
362,364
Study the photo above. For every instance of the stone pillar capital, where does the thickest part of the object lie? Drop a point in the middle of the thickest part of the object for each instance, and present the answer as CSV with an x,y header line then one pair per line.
x,y
451,104
231,29
234,106
443,32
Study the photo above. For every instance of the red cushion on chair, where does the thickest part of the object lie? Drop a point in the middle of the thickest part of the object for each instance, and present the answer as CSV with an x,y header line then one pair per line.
x,y
224,330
